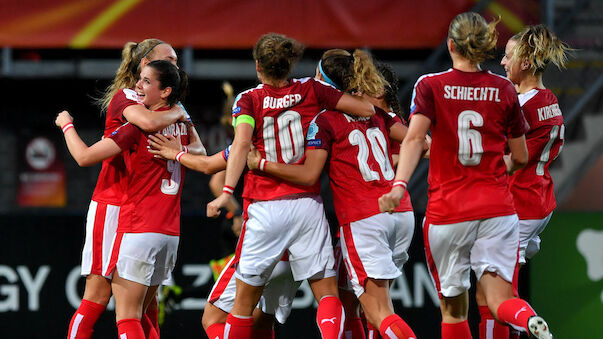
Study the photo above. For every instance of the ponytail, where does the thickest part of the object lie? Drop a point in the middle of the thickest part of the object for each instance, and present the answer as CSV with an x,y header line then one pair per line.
x,y
474,38
128,72
539,47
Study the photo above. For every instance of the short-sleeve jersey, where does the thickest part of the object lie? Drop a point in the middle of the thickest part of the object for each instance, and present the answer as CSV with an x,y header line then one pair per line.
x,y
360,165
282,116
154,186
472,115
532,186
111,180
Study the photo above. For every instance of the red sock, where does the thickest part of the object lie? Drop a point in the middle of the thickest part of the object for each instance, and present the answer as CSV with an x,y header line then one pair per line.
x,y
262,334
456,331
489,328
148,328
393,327
353,328
83,320
373,333
330,317
130,329
153,314
513,334
215,331
515,312
238,328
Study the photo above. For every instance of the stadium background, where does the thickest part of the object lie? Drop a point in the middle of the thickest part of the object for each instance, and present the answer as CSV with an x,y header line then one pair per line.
x,y
57,54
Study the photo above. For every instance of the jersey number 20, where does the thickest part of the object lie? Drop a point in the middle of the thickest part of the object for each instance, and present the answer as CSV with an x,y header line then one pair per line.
x,y
379,150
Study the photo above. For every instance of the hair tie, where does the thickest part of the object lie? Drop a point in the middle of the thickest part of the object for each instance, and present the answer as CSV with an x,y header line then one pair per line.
x,y
325,77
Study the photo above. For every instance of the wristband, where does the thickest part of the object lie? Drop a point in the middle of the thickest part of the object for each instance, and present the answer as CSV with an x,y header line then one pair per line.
x,y
402,183
67,126
262,164
179,155
228,190
185,149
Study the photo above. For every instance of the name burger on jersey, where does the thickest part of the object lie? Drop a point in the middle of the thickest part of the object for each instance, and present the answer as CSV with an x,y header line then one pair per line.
x,y
471,93
284,102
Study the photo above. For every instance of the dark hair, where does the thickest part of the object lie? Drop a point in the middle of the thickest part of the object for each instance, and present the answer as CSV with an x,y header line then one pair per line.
x,y
391,90
276,54
352,72
171,76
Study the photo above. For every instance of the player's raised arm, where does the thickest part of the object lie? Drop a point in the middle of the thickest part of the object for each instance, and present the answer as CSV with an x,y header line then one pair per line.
x,y
169,148
84,155
301,174
234,168
410,153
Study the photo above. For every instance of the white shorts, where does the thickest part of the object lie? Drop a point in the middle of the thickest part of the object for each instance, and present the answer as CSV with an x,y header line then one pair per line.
x,y
297,225
529,241
101,230
343,281
488,245
145,258
376,247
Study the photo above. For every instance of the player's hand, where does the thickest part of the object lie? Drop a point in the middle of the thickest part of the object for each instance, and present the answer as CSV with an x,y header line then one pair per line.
x,y
237,224
63,119
253,159
508,163
388,202
427,146
213,208
164,146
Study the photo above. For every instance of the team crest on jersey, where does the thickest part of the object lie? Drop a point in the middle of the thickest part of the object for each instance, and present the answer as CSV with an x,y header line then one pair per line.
x,y
312,131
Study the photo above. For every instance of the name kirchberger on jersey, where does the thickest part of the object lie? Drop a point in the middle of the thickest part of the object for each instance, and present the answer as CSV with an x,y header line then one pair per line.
x,y
284,102
471,93
548,112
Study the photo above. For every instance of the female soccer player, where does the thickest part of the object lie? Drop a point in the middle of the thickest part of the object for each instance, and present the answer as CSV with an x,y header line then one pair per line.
x,y
527,54
277,297
145,247
119,103
274,117
373,244
470,221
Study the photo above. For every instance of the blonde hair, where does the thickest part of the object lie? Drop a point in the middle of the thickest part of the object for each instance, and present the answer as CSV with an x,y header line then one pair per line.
x,y
276,54
128,72
474,38
539,47
355,72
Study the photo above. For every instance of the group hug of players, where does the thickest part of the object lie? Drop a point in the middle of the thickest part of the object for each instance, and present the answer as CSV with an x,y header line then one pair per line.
x,y
490,191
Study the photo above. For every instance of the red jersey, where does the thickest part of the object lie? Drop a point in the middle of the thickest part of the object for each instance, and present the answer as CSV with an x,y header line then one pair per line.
x,y
152,197
359,161
472,114
394,147
282,116
532,186
111,180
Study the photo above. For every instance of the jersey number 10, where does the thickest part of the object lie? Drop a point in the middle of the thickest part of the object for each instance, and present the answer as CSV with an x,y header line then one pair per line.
x,y
290,136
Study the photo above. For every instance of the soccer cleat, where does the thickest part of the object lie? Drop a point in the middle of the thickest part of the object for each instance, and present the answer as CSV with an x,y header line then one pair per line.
x,y
538,328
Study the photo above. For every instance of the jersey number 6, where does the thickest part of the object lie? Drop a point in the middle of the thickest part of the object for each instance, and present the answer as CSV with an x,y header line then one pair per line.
x,y
470,141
